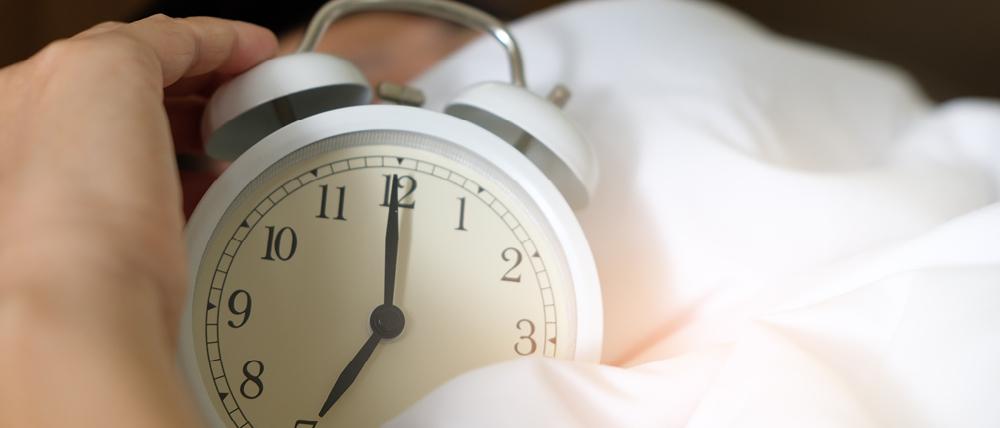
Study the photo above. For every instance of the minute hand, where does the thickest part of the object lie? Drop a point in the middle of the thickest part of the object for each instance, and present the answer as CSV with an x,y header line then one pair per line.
x,y
392,242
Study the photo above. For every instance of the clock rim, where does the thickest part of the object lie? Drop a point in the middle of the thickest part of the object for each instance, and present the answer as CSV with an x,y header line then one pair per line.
x,y
588,312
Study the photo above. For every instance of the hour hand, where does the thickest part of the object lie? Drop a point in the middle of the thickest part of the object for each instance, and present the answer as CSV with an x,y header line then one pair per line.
x,y
387,322
350,373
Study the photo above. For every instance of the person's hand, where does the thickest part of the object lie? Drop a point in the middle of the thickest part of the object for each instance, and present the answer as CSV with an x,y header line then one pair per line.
x,y
92,269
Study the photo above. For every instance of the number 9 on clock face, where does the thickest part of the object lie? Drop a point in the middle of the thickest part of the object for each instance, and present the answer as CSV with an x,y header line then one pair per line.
x,y
286,286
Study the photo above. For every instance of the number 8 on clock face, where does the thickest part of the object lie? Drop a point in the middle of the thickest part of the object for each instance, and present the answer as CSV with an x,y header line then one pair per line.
x,y
289,261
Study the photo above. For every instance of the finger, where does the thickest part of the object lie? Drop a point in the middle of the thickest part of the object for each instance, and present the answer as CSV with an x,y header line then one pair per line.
x,y
100,29
203,85
185,123
193,46
252,44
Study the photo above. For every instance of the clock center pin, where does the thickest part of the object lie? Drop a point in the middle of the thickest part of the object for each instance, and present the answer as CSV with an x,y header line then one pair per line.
x,y
387,321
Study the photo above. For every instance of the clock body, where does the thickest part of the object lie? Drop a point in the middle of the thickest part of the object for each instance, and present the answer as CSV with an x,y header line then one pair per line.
x,y
287,251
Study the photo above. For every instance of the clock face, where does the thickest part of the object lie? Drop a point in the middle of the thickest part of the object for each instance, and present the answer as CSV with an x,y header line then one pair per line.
x,y
285,292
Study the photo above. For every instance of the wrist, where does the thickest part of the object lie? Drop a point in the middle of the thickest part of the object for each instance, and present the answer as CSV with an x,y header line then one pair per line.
x,y
71,347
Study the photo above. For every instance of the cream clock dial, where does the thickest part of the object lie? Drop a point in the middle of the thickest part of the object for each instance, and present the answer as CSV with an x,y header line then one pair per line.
x,y
283,316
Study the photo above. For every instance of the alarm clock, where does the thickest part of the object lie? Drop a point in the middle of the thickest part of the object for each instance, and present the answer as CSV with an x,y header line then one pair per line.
x,y
355,256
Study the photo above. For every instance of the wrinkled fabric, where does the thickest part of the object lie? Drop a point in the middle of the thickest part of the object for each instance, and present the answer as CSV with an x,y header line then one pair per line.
x,y
786,235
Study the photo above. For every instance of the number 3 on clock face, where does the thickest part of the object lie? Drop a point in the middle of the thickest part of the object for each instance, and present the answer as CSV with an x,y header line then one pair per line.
x,y
292,271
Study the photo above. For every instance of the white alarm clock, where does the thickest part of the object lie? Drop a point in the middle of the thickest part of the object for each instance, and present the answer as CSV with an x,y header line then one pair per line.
x,y
355,256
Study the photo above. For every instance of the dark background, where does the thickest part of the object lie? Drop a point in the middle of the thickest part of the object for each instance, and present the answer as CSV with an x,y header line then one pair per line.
x,y
952,47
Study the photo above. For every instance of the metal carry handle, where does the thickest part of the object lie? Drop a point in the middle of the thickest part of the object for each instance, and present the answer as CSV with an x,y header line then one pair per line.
x,y
443,9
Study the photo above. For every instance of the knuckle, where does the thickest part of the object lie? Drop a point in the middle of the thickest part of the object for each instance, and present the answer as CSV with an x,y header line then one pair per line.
x,y
117,49
109,56
185,37
181,45
187,45
58,49
60,54
107,24
128,57
104,26
159,18
215,39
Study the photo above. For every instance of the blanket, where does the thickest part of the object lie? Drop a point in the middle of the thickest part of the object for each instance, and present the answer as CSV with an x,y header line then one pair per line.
x,y
786,235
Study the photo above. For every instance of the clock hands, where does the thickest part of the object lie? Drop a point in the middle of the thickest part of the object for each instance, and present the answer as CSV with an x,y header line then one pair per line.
x,y
350,373
392,241
386,320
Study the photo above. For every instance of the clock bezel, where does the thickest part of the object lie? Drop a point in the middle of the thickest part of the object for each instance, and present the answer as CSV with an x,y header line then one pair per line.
x,y
588,313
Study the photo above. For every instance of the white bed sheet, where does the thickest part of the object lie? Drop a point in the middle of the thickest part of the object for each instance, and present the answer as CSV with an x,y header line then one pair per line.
x,y
787,236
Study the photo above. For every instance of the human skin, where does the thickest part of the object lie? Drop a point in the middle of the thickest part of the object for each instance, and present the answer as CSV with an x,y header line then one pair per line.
x,y
92,264
386,47
92,273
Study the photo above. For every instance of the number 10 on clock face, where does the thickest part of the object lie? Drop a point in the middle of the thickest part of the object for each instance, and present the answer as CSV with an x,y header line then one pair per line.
x,y
286,289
